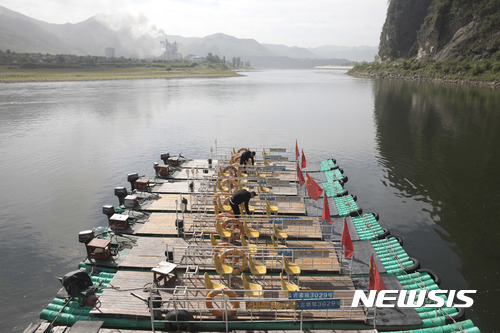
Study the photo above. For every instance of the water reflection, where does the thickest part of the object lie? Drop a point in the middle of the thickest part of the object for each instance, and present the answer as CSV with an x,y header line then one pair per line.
x,y
423,156
439,144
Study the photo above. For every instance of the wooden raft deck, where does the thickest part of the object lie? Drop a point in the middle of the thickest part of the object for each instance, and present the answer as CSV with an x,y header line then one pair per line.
x,y
163,224
310,260
118,300
166,203
148,252
182,186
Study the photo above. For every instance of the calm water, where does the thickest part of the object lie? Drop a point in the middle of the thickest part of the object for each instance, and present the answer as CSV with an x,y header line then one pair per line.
x,y
425,157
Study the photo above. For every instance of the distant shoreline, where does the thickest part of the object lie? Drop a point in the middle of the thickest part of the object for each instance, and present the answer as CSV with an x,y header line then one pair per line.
x,y
20,75
489,84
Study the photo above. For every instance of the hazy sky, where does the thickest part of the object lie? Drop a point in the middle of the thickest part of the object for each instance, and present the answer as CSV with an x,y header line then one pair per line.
x,y
305,23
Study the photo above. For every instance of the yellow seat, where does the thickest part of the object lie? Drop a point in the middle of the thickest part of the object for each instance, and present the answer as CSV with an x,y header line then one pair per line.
x,y
234,151
210,285
240,174
250,208
221,174
219,247
213,242
266,163
263,189
276,244
250,248
235,159
240,187
250,232
251,289
221,188
259,175
222,207
290,267
271,209
278,233
221,231
264,153
287,286
256,269
220,267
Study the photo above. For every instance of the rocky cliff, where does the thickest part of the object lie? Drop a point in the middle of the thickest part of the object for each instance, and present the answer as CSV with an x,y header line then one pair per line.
x,y
441,29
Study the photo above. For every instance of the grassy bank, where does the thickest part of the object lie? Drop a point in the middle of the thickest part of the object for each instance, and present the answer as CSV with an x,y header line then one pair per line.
x,y
486,72
9,73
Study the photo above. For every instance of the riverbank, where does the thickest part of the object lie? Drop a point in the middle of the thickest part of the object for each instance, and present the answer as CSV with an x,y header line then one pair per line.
x,y
484,73
10,74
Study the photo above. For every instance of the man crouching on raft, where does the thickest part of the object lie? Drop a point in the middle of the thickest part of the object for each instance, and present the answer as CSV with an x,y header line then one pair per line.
x,y
242,196
245,157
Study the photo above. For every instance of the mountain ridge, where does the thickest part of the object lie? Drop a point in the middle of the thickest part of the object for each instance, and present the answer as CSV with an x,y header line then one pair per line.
x,y
22,34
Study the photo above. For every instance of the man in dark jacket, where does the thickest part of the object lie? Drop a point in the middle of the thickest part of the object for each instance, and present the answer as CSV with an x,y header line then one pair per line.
x,y
247,155
242,196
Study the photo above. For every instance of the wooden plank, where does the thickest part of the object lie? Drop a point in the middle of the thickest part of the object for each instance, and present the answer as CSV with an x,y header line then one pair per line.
x,y
43,328
86,327
119,301
149,251
159,224
164,224
117,298
167,203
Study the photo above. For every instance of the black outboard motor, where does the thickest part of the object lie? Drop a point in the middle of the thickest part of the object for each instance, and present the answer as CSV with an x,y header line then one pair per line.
x,y
85,236
108,210
121,193
132,177
179,223
76,282
165,157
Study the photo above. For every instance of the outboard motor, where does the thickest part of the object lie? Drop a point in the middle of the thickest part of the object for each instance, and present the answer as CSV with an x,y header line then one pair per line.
x,y
85,236
108,210
121,193
169,254
165,157
132,177
179,223
210,163
76,282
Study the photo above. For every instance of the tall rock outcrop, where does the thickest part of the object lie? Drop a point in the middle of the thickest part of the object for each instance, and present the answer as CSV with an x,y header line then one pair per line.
x,y
441,29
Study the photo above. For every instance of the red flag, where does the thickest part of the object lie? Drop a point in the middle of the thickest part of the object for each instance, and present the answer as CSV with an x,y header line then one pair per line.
x,y
326,211
296,151
300,176
313,189
303,165
375,281
346,241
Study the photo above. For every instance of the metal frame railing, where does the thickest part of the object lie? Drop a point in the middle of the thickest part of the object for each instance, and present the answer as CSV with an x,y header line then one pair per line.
x,y
272,306
327,258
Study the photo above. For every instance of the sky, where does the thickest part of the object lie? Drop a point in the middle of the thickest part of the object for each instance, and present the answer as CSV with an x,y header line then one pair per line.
x,y
304,23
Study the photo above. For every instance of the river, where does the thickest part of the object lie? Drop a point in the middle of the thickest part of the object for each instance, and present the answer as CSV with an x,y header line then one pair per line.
x,y
424,156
